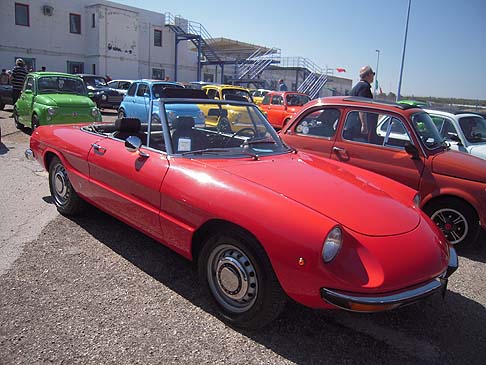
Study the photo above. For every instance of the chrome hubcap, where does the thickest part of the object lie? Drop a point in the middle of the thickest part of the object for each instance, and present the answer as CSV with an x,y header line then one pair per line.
x,y
232,278
60,184
452,223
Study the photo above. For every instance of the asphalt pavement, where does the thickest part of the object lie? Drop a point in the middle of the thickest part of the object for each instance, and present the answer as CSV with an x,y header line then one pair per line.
x,y
92,290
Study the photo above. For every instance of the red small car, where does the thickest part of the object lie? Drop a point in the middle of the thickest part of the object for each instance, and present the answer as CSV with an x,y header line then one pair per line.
x,y
401,143
262,222
281,106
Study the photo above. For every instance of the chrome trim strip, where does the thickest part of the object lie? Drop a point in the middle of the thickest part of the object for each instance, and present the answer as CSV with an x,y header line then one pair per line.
x,y
344,300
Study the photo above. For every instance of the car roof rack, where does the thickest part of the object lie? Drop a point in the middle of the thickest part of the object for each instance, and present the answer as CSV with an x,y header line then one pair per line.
x,y
179,93
379,102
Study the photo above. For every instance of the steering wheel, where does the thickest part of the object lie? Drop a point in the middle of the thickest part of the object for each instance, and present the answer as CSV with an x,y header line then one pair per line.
x,y
247,129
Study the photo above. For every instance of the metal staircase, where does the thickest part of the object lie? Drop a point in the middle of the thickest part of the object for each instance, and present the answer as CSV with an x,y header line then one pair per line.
x,y
196,33
316,79
257,62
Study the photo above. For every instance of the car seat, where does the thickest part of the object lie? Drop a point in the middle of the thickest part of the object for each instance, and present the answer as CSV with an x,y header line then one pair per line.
x,y
125,127
185,138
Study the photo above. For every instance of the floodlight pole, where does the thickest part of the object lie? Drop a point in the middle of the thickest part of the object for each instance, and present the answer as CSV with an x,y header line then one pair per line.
x,y
376,74
403,51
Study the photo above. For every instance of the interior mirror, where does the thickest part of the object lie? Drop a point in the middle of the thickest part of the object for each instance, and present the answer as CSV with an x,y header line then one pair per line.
x,y
412,151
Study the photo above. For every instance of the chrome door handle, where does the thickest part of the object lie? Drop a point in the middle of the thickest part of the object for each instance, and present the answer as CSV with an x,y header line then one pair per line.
x,y
98,149
338,149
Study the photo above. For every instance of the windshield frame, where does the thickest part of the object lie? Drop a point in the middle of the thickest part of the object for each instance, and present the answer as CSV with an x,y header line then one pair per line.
x,y
75,79
432,130
244,150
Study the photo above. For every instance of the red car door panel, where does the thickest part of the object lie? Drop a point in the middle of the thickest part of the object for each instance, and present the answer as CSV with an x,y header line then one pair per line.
x,y
128,184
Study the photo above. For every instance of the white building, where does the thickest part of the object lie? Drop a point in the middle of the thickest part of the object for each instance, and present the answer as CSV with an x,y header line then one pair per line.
x,y
92,36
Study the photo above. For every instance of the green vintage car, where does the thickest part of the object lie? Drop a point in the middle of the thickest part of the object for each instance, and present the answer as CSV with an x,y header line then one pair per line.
x,y
54,98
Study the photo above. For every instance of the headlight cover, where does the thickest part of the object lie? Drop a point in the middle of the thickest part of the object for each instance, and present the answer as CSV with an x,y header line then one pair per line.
x,y
94,112
332,244
51,111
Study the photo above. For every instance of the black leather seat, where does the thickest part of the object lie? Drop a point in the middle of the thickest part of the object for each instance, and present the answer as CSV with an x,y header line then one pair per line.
x,y
185,138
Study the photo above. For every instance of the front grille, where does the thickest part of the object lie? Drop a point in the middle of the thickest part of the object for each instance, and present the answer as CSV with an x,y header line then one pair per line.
x,y
115,98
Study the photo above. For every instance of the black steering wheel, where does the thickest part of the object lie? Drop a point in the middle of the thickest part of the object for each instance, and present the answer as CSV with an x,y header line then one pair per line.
x,y
241,131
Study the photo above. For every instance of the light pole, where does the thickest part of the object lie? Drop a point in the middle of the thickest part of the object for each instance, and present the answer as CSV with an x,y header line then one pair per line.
x,y
376,74
403,51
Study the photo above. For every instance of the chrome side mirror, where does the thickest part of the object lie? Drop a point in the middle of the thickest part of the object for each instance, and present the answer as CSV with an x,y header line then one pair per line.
x,y
133,144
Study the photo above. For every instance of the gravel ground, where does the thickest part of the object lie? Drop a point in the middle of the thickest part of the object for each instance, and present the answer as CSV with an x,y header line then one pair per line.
x,y
91,290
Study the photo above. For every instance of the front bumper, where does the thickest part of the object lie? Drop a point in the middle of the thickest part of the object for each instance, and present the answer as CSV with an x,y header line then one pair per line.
x,y
29,154
358,302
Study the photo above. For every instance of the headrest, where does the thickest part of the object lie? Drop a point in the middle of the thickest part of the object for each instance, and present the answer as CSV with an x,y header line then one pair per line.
x,y
182,122
215,112
127,124
181,93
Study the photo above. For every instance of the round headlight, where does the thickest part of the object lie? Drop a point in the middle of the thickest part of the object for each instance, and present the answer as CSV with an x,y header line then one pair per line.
x,y
51,111
94,112
103,97
332,244
416,200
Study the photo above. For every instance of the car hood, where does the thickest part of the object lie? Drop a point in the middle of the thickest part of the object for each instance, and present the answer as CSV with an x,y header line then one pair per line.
x,y
65,100
460,165
355,198
478,150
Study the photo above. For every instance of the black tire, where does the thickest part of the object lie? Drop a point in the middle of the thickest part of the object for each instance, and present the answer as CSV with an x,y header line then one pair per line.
x,y
18,125
35,122
121,114
224,260
65,198
456,219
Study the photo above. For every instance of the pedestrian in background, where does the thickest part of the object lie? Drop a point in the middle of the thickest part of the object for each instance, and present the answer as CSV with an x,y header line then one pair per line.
x,y
4,77
167,78
363,89
43,69
281,85
19,73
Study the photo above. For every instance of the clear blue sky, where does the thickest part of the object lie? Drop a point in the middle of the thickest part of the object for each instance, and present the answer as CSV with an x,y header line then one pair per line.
x,y
446,45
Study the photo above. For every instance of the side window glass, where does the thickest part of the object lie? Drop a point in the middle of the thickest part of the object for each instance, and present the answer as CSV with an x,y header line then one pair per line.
x,y
266,100
277,100
131,89
320,123
29,84
448,129
142,89
212,94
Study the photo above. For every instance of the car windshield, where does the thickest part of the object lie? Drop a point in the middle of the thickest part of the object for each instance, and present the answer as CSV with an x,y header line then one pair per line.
x,y
61,84
297,100
226,129
94,81
157,89
474,128
240,95
427,131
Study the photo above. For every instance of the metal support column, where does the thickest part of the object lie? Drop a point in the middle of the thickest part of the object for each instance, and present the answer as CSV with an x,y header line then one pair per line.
x,y
175,57
199,59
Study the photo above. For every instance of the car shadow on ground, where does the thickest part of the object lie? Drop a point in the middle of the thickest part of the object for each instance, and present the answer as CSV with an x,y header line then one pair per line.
x,y
477,251
435,331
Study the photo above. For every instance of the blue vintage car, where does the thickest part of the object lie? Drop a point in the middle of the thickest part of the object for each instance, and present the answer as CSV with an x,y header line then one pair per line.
x,y
136,103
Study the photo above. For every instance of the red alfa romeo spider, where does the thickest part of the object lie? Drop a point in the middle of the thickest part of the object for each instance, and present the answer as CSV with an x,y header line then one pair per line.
x,y
262,221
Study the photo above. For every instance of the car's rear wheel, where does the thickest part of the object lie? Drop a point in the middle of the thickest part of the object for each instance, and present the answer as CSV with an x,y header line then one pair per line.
x,y
35,122
238,277
121,114
456,219
65,198
18,125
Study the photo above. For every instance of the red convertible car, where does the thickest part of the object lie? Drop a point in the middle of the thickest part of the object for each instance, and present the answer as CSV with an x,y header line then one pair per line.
x,y
402,143
262,221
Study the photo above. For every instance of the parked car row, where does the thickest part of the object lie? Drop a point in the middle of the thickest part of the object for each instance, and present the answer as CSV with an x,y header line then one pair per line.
x,y
263,222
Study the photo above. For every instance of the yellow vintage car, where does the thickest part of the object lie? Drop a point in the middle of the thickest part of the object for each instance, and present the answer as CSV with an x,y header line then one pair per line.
x,y
222,119
258,95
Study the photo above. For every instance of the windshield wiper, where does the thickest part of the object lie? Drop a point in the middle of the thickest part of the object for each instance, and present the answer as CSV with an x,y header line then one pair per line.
x,y
258,141
217,151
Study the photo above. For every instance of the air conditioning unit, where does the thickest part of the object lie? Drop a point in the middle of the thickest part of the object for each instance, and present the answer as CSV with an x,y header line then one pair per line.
x,y
47,10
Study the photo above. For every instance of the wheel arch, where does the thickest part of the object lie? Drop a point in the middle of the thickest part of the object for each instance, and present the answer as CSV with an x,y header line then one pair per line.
x,y
462,196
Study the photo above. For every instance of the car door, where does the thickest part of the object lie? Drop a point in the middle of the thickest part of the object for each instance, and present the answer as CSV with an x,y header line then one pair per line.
x,y
314,131
276,110
26,101
383,149
128,184
141,102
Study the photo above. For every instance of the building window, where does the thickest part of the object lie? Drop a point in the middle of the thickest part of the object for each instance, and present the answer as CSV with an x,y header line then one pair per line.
x,y
93,69
22,14
93,19
157,38
158,73
75,23
74,67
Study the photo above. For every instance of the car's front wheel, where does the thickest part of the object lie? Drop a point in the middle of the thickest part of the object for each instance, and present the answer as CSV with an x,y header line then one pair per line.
x,y
66,199
456,219
18,125
237,275
35,122
121,114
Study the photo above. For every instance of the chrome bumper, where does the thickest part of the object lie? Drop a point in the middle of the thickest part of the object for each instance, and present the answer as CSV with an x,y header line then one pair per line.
x,y
358,302
29,154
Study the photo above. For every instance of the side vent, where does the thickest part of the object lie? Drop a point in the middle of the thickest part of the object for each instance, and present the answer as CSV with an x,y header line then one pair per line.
x,y
47,10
